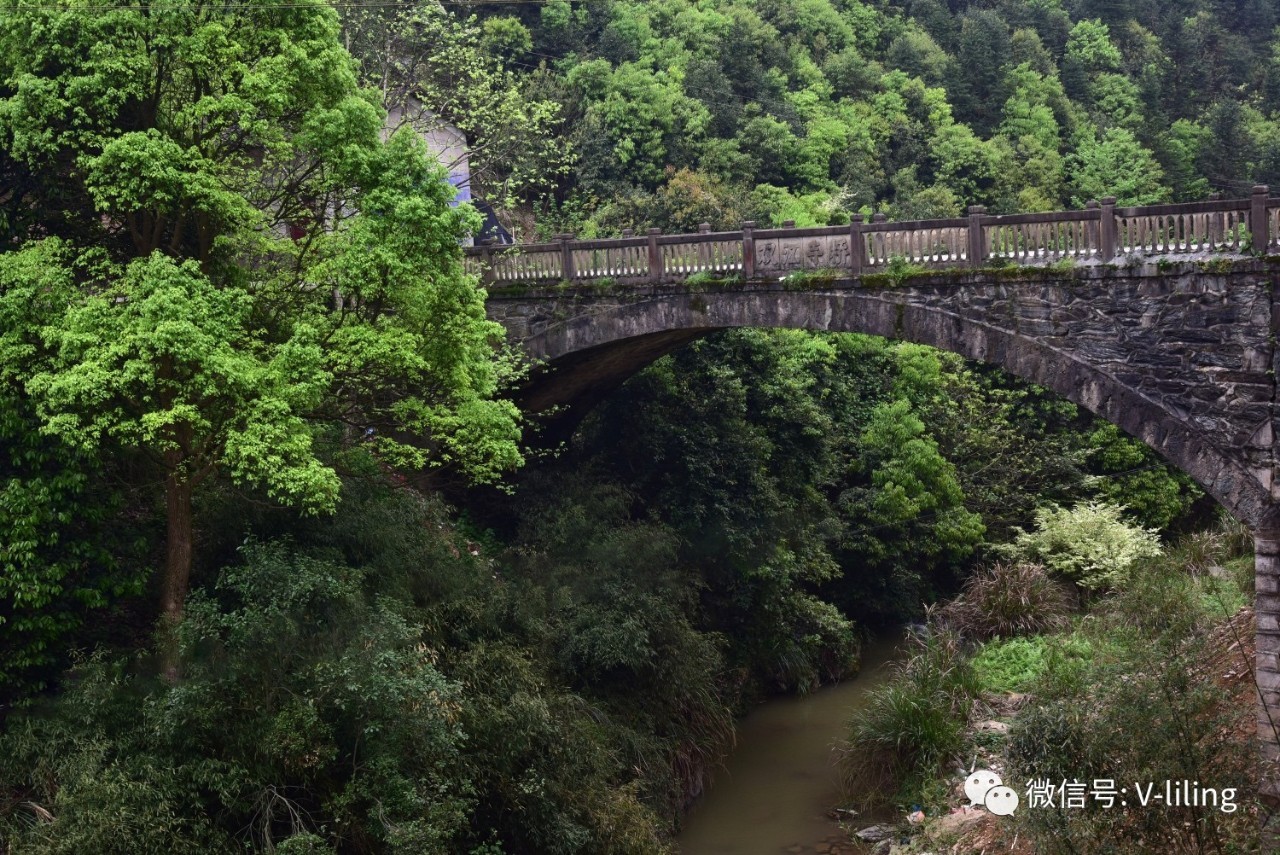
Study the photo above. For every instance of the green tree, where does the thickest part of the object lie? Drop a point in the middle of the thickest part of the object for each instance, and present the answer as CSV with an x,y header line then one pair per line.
x,y
1090,44
167,362
284,726
1124,471
917,54
1179,152
984,45
435,69
56,507
250,259
1091,544
903,491
645,115
1115,164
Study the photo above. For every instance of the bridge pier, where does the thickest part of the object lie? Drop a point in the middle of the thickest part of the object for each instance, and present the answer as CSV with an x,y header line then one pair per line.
x,y
1266,563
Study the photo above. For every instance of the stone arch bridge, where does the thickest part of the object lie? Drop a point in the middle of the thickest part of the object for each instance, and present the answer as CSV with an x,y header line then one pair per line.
x,y
1162,320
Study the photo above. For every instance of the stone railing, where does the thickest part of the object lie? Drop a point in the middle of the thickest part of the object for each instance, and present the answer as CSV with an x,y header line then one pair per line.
x,y
1100,233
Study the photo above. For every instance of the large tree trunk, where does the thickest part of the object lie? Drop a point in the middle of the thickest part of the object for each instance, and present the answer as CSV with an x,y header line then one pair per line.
x,y
177,566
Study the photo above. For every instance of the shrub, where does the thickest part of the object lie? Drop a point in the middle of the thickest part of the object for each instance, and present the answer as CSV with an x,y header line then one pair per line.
x,y
1091,544
1222,597
1053,741
1237,540
1008,599
1199,552
911,724
306,708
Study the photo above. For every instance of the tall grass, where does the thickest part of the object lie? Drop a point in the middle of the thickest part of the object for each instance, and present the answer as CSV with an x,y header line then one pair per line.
x,y
1016,664
911,724
1008,599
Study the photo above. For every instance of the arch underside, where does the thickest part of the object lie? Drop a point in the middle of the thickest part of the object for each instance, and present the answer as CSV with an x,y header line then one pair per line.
x,y
591,354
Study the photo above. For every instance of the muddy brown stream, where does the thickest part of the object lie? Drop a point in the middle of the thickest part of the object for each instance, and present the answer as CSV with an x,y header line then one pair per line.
x,y
775,792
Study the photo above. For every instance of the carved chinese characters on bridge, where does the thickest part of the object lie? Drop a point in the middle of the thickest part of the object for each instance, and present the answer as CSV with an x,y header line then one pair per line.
x,y
766,254
839,253
814,253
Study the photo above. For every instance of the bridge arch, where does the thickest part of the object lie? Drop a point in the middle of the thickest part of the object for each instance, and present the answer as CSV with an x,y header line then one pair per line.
x,y
1178,358
1180,352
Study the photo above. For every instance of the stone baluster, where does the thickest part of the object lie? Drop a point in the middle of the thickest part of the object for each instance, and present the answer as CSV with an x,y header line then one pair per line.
x,y
1259,228
748,250
1107,229
857,245
566,255
655,256
977,240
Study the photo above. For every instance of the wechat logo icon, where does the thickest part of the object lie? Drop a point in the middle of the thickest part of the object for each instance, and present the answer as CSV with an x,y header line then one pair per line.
x,y
985,788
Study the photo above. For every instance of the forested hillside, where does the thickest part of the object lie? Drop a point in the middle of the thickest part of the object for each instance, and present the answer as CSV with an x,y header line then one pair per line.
x,y
676,112
282,568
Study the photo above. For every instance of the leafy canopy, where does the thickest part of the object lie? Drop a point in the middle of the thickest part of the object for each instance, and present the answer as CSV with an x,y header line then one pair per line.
x,y
240,259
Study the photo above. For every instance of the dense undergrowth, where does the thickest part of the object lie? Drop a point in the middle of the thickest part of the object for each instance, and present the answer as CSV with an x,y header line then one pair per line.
x,y
555,670
1150,682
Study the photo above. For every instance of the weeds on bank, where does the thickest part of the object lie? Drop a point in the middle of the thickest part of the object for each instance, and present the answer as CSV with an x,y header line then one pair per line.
x,y
1015,664
1153,683
1168,699
912,724
1007,599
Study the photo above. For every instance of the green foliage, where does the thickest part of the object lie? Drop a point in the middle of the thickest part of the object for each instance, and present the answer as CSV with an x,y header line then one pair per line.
x,y
59,558
205,184
1090,544
616,616
899,270
777,205
1155,711
734,508
686,201
724,442
1115,164
1090,44
1127,472
1045,105
644,114
293,675
908,493
439,72
167,362
1019,664
320,710
728,439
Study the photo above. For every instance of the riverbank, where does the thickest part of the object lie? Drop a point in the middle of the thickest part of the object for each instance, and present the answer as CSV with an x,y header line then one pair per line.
x,y
777,789
1151,683
963,829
